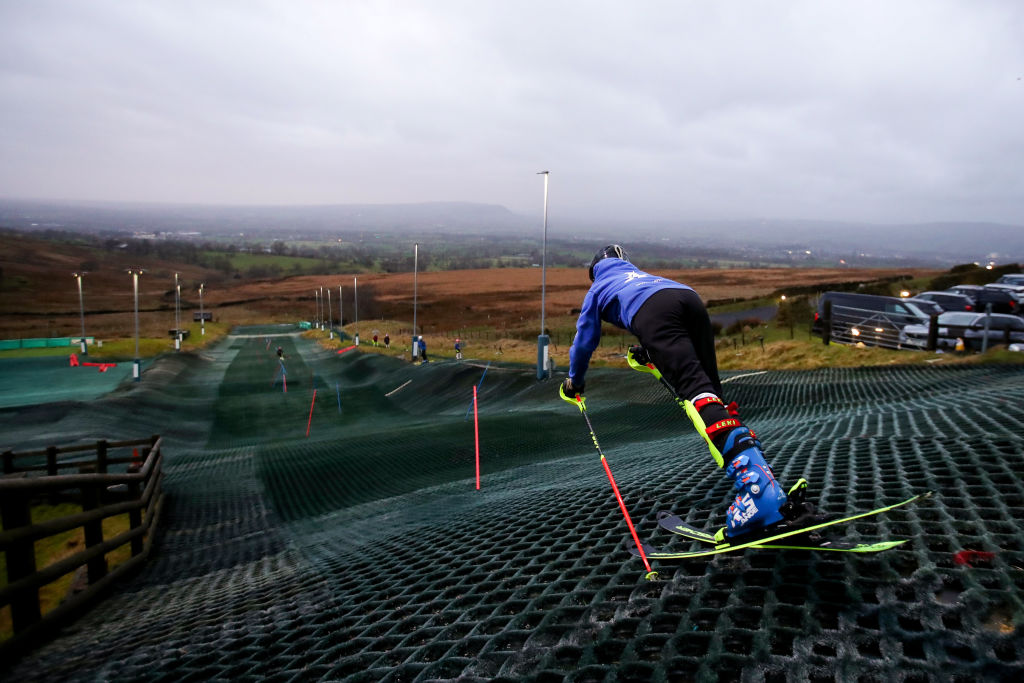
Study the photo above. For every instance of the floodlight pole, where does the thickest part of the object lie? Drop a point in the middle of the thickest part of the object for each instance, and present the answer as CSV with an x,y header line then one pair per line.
x,y
330,318
341,310
316,314
543,340
321,308
202,316
355,299
177,314
81,311
136,366
415,275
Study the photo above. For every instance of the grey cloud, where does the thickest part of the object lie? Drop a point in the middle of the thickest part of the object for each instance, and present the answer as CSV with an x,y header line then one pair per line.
x,y
873,111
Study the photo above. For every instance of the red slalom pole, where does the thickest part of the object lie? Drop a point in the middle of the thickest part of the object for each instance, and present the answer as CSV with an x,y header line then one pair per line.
x,y
308,423
476,434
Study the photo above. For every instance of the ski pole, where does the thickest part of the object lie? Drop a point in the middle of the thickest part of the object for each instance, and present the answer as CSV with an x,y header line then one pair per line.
x,y
580,403
688,408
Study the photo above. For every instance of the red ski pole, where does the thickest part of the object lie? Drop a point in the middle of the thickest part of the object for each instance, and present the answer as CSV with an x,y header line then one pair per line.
x,y
310,421
579,403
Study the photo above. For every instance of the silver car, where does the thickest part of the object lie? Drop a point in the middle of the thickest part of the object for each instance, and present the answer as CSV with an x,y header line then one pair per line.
x,y
970,327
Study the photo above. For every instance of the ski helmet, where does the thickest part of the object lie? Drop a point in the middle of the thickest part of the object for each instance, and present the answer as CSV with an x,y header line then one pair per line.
x,y
611,251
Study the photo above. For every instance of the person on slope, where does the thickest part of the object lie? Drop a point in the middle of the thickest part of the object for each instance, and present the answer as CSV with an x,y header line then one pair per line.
x,y
675,335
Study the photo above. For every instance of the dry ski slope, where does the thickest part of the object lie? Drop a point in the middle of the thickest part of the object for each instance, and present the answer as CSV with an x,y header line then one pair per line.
x,y
363,552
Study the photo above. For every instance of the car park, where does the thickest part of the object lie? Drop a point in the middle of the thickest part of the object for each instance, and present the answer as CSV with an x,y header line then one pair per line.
x,y
948,301
866,318
972,328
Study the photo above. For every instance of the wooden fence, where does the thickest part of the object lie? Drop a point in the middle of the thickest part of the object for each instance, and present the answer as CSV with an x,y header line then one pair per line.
x,y
134,489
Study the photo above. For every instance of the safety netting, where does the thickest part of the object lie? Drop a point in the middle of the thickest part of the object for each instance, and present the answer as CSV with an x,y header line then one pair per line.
x,y
344,539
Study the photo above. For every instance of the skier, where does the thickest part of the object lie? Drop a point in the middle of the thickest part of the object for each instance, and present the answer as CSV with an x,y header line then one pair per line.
x,y
675,334
423,349
387,340
458,349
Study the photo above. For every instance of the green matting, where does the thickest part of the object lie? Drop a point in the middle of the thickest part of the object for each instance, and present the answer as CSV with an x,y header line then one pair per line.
x,y
364,553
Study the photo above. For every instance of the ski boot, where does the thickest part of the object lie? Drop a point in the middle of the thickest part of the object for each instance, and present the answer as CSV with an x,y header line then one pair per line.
x,y
760,499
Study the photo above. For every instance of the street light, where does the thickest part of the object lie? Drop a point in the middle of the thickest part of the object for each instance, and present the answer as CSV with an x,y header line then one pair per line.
x,y
202,316
177,314
137,365
81,310
355,298
415,273
330,318
316,315
543,340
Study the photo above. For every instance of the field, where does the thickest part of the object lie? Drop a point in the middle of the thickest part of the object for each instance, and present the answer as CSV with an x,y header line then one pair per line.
x,y
38,296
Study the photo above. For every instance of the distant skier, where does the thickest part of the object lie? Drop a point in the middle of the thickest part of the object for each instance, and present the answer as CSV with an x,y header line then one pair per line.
x,y
458,349
675,334
280,352
423,349
387,340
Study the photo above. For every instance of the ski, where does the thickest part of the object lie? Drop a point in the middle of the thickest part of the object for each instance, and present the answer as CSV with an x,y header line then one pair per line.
x,y
771,541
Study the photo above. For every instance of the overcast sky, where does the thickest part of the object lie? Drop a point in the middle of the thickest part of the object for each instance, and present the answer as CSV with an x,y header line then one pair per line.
x,y
881,111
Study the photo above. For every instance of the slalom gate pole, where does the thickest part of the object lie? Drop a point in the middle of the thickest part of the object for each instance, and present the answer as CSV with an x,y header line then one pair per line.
x,y
580,403
478,385
310,421
476,435
337,388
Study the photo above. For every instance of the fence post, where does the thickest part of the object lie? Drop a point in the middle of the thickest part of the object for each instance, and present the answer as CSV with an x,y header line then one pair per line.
x,y
93,533
101,456
21,561
51,470
135,516
826,323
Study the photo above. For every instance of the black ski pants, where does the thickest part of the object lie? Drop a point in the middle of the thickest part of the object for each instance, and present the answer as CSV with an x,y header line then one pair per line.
x,y
674,326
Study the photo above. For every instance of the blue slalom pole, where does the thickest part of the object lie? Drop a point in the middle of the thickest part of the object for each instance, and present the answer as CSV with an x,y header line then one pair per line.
x,y
478,385
338,389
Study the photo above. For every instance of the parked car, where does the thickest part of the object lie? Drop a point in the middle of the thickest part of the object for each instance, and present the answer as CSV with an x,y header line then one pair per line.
x,y
926,305
949,301
1016,290
967,326
1012,279
866,318
1002,301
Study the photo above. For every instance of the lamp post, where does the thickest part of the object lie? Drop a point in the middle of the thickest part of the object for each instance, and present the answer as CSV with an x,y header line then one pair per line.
x,y
322,308
330,318
136,366
341,312
543,340
355,299
415,275
316,311
177,314
81,310
202,315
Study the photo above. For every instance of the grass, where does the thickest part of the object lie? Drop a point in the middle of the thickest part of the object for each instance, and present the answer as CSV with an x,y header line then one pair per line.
x,y
123,349
782,349
55,548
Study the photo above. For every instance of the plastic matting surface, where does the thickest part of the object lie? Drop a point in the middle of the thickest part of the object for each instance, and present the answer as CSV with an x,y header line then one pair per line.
x,y
364,553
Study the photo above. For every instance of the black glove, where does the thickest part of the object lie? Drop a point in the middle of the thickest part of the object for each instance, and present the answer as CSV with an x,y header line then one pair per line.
x,y
572,388
639,354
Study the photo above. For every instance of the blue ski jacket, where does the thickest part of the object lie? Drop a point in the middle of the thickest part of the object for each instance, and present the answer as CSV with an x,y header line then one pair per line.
x,y
618,292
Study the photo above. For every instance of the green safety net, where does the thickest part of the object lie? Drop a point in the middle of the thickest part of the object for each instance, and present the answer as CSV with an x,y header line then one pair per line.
x,y
364,552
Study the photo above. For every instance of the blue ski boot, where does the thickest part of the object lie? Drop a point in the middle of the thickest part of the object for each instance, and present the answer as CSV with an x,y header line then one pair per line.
x,y
760,495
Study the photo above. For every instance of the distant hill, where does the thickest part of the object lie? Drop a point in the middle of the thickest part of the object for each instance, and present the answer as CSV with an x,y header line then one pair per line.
x,y
953,242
